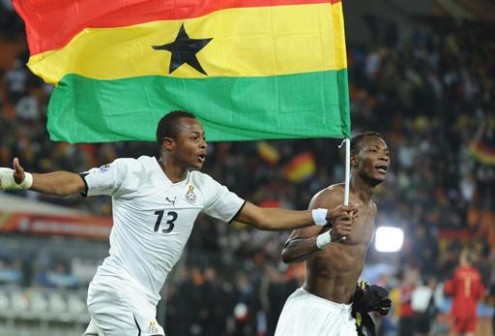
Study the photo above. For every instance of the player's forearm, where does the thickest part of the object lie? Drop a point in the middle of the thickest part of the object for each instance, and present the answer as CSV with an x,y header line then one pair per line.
x,y
299,249
60,183
273,219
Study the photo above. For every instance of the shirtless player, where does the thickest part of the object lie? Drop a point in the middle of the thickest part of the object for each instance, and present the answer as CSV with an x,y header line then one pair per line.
x,y
335,257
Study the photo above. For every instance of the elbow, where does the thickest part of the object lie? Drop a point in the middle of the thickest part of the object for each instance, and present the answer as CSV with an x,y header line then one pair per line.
x,y
291,255
285,254
287,257
291,260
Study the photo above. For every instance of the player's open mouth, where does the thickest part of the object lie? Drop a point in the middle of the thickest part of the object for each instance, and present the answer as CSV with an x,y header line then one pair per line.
x,y
201,158
382,169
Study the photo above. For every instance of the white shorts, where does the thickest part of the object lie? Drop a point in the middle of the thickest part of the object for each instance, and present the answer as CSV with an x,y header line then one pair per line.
x,y
305,314
119,308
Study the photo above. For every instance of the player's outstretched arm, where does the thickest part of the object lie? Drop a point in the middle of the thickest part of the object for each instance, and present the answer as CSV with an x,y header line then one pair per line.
x,y
282,219
61,183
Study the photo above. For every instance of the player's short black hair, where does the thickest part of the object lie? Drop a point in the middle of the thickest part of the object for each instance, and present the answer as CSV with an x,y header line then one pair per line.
x,y
168,126
357,140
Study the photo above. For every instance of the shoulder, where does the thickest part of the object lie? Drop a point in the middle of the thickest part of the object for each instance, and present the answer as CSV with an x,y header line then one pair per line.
x,y
141,162
115,165
327,197
127,165
144,160
125,162
200,178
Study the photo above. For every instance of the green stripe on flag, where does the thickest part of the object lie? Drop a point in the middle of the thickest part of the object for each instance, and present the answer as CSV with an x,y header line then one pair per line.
x,y
309,105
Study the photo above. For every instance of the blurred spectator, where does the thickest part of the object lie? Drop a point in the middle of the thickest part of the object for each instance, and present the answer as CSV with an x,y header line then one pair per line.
x,y
10,272
408,284
58,276
424,302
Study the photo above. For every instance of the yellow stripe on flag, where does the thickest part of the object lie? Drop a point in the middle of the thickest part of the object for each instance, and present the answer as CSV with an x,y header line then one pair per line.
x,y
248,42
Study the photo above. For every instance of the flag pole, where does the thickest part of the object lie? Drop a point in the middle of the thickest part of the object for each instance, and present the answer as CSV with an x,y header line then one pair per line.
x,y
347,170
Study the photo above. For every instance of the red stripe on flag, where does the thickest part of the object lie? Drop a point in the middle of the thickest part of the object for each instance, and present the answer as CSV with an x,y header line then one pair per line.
x,y
485,148
51,24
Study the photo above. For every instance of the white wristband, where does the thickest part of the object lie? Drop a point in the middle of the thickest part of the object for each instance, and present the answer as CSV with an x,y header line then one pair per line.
x,y
7,181
28,181
324,239
319,216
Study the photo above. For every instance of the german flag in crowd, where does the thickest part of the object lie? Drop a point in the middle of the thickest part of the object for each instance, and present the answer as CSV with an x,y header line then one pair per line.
x,y
301,167
268,152
482,146
249,69
483,152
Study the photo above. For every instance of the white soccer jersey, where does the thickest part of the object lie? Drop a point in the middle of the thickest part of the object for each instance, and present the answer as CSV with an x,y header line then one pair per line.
x,y
153,217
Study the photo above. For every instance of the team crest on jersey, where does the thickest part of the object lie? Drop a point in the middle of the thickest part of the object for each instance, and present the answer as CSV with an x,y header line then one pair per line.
x,y
152,328
190,195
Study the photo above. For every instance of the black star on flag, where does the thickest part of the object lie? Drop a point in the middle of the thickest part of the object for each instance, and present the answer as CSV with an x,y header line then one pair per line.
x,y
184,50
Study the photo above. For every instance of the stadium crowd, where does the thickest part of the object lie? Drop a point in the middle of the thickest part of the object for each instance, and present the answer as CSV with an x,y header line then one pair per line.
x,y
428,93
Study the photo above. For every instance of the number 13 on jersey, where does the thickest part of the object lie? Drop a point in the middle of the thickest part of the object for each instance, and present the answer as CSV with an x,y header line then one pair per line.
x,y
171,217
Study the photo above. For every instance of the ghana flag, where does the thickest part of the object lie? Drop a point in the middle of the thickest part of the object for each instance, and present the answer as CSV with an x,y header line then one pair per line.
x,y
249,69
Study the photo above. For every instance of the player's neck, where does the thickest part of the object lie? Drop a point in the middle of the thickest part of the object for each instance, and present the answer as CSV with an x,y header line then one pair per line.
x,y
174,173
361,188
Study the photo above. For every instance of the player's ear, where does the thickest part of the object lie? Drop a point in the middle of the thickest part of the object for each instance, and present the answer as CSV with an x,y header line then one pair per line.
x,y
168,143
354,161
